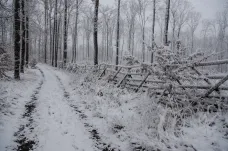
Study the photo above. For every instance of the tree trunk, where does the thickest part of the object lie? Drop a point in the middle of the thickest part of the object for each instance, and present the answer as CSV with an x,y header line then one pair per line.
x,y
173,34
143,44
54,35
88,48
192,43
153,28
133,40
46,34
74,45
27,35
165,40
96,32
57,41
107,46
39,46
178,33
129,38
51,37
65,35
23,35
118,35
17,39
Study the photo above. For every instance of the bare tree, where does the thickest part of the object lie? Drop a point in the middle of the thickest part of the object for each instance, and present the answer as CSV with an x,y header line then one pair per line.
x,y
75,36
193,22
107,14
184,8
222,21
22,36
46,30
118,34
142,8
95,32
17,39
65,33
165,38
131,19
87,27
153,28
27,34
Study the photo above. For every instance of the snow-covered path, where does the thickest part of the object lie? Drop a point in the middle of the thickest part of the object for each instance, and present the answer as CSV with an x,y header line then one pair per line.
x,y
58,127
48,122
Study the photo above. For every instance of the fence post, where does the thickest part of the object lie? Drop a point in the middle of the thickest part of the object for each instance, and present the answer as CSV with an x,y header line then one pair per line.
x,y
115,74
205,79
144,80
103,73
216,86
121,81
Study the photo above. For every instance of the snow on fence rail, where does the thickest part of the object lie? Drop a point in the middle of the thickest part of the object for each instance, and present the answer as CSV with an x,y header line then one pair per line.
x,y
140,77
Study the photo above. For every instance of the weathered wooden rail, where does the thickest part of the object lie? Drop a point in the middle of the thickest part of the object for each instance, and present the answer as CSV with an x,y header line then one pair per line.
x,y
140,77
133,77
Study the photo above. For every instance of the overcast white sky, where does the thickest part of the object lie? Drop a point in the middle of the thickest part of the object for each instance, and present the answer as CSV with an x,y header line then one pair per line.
x,y
208,8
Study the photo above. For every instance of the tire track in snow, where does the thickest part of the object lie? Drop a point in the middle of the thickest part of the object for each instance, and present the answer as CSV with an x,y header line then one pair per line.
x,y
23,142
95,136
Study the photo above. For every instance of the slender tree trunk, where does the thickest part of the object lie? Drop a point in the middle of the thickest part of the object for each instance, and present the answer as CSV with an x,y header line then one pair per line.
x,y
95,34
107,46
27,34
57,41
153,28
23,35
143,44
88,48
39,46
83,45
65,34
17,39
51,37
54,34
165,40
192,43
74,44
46,34
118,35
129,38
173,34
103,44
178,33
133,40
27,40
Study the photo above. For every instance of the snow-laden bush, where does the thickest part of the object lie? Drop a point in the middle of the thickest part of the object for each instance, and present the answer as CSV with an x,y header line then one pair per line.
x,y
5,62
136,119
176,70
33,63
129,60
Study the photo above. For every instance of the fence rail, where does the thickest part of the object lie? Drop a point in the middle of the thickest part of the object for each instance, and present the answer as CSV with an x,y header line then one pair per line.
x,y
138,77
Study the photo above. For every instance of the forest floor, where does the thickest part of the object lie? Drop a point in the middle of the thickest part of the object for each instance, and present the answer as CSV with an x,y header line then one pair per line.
x,y
51,110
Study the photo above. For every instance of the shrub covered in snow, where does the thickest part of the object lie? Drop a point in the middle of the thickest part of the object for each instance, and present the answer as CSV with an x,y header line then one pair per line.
x,y
33,63
176,119
5,62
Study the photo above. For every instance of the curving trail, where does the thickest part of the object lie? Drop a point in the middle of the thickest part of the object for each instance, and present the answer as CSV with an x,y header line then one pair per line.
x,y
58,127
48,122
51,123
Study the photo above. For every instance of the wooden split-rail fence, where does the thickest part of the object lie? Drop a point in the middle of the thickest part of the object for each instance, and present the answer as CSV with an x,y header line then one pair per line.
x,y
139,77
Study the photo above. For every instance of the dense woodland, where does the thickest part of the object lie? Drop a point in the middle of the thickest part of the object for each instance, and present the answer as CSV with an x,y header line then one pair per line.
x,y
84,31
134,75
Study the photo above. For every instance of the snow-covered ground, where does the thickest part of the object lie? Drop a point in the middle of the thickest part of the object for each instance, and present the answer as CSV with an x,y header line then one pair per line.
x,y
131,121
13,97
51,109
